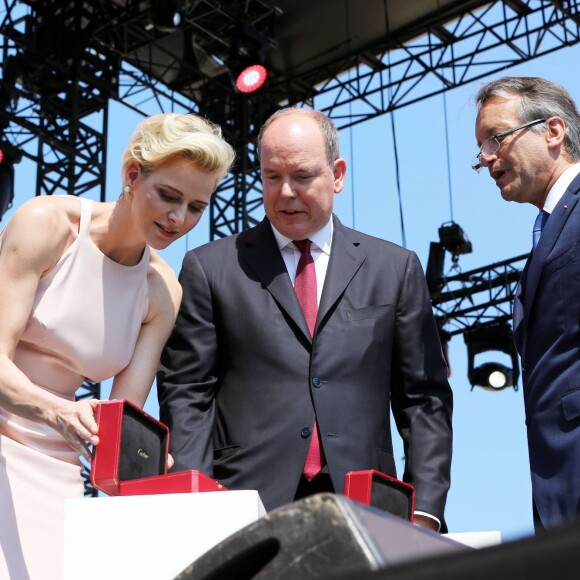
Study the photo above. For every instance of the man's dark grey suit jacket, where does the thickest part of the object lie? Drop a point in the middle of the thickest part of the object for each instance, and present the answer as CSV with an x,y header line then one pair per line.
x,y
241,378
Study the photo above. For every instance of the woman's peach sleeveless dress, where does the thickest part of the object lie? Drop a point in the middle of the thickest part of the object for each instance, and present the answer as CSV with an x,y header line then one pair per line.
x,y
85,320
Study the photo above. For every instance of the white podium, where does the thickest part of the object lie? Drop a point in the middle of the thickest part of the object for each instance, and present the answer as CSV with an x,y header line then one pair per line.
x,y
150,536
476,539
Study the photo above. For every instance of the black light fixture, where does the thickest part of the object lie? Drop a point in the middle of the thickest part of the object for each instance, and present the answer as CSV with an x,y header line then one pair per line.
x,y
445,339
492,376
491,337
195,66
167,15
247,61
435,270
454,240
9,155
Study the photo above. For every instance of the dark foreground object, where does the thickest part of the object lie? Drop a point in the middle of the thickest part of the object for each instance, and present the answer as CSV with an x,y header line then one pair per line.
x,y
553,554
314,537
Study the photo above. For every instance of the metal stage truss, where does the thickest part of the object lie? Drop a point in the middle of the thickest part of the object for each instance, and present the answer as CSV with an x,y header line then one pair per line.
x,y
477,297
63,61
111,53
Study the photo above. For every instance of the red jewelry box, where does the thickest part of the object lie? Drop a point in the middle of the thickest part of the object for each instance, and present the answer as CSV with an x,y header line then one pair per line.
x,y
181,482
382,491
131,457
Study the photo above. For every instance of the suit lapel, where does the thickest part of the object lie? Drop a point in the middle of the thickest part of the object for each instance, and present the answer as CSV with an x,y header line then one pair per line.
x,y
518,309
550,234
259,250
345,259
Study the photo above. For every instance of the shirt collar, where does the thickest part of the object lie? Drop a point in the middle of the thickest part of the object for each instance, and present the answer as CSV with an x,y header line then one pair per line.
x,y
559,188
321,239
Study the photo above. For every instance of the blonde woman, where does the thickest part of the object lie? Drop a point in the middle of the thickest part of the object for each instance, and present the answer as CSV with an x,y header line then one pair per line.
x,y
83,294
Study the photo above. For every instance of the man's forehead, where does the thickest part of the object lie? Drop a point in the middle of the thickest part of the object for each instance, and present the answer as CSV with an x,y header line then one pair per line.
x,y
497,114
299,161
287,139
293,124
499,106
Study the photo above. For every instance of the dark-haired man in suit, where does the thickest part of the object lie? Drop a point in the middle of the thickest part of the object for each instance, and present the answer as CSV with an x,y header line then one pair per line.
x,y
296,338
528,130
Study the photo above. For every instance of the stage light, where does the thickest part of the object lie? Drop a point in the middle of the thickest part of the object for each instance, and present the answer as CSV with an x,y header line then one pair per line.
x,y
167,15
491,337
445,339
195,67
251,78
9,155
435,270
454,240
492,376
247,63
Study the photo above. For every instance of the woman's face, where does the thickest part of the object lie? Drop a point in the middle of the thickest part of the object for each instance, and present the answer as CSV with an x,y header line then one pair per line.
x,y
169,202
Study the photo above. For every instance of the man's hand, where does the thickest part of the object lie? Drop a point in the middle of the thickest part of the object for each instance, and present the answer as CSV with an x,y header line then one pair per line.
x,y
426,522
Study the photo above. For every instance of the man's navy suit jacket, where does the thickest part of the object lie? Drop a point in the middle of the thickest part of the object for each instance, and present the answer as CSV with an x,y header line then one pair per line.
x,y
241,377
547,334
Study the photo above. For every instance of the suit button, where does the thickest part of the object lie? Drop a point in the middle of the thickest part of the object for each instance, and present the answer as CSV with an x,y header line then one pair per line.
x,y
317,382
524,368
306,432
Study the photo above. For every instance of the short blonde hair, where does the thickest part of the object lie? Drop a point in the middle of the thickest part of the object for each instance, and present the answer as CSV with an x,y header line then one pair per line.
x,y
161,137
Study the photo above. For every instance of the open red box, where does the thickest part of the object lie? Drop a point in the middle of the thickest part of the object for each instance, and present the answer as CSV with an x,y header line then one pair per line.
x,y
382,491
131,457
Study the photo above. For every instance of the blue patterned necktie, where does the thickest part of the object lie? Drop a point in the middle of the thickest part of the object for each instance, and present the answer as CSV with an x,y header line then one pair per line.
x,y
538,226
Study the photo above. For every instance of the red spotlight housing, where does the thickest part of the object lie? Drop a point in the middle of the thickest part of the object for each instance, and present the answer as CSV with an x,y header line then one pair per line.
x,y
251,78
247,63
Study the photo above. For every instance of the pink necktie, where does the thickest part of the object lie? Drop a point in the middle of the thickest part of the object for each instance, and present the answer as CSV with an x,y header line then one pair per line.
x,y
305,287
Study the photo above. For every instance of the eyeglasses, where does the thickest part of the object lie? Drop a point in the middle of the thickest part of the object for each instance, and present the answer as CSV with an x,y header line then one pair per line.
x,y
491,146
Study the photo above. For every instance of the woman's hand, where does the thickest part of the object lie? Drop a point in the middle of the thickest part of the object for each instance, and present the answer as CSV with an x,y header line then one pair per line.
x,y
75,421
170,461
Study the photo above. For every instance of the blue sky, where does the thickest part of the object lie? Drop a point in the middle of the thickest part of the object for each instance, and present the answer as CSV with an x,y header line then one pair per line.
x,y
490,477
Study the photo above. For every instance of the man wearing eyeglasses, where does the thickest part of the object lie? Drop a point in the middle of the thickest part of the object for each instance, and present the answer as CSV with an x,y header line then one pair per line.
x,y
528,130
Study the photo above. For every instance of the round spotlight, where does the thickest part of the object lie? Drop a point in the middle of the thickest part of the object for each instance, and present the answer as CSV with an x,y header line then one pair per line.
x,y
166,15
492,376
251,78
176,19
497,380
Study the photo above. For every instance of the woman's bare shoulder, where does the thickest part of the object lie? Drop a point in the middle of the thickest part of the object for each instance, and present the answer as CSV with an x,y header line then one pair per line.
x,y
42,226
47,210
162,272
164,287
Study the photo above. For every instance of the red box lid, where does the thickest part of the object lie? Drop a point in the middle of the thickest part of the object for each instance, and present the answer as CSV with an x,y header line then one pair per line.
x,y
382,491
132,445
181,482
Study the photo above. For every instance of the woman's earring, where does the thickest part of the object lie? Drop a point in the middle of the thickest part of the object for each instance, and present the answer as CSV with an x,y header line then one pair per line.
x,y
126,191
